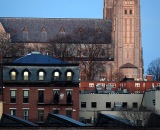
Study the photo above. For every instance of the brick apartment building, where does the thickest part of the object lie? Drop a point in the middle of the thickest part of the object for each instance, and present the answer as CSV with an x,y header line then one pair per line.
x,y
129,85
36,85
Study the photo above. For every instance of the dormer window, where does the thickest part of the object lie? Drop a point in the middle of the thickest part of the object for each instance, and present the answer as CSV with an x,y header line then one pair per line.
x,y
25,75
56,75
13,75
69,75
41,75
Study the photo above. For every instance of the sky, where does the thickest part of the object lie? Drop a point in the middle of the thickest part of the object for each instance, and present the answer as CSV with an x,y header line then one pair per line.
x,y
150,17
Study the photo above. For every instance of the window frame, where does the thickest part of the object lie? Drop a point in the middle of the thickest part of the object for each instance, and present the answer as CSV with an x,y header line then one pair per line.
x,y
40,96
13,97
93,104
40,115
25,98
83,104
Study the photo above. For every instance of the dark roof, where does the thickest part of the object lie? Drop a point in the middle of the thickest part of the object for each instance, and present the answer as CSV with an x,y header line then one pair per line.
x,y
107,120
38,58
61,120
39,28
9,120
128,65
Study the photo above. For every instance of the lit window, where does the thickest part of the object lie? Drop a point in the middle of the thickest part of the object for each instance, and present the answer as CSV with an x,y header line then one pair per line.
x,y
13,75
26,75
56,75
91,85
69,75
137,84
41,75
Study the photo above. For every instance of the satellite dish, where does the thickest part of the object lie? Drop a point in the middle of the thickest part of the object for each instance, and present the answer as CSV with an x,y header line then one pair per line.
x,y
61,95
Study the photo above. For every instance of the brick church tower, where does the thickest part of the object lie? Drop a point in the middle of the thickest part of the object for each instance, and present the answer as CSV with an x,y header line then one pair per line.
x,y
126,24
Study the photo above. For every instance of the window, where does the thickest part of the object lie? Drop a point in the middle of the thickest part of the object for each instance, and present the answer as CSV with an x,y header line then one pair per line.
x,y
69,97
130,11
13,111
40,115
91,85
41,96
69,76
56,75
137,84
94,104
55,111
108,104
125,11
25,114
41,75
56,96
13,75
25,96
13,96
69,113
124,105
135,105
25,75
83,104
158,84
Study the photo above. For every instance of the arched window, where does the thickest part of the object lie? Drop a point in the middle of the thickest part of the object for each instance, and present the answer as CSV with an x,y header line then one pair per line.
x,y
41,75
56,75
25,75
13,75
69,75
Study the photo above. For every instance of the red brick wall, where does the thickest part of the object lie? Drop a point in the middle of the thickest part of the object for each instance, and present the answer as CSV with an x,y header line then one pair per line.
x,y
33,98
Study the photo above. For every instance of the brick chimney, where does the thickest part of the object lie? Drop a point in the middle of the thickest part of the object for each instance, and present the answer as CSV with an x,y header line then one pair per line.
x,y
149,78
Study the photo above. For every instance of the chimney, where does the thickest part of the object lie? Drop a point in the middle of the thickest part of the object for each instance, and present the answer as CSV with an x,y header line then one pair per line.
x,y
149,78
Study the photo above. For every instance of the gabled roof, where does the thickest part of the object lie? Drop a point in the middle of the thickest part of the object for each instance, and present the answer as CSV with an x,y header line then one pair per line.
x,y
107,120
61,120
40,30
38,58
9,120
128,65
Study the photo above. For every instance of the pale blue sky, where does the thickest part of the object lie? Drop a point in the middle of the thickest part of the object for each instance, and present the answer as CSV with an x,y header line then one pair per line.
x,y
150,14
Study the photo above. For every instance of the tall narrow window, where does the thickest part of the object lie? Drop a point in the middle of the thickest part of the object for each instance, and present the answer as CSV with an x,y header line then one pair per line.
x,y
25,96
69,97
41,75
69,113
69,76
56,96
56,75
13,111
41,96
130,11
40,116
13,96
26,75
13,75
125,11
25,114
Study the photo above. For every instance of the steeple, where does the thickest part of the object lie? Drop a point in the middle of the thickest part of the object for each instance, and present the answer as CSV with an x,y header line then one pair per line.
x,y
108,9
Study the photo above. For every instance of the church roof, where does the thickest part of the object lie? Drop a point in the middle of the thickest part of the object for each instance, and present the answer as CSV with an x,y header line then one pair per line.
x,y
128,65
38,30
38,58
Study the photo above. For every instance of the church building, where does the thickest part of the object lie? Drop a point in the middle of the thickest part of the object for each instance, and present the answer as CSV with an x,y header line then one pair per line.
x,y
107,49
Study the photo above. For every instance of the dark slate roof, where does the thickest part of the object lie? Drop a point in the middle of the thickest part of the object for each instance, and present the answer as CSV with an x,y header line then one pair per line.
x,y
38,58
108,120
9,120
128,65
61,120
52,27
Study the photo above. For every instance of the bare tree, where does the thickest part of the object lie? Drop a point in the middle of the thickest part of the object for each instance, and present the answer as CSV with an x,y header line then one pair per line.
x,y
154,69
117,76
137,117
